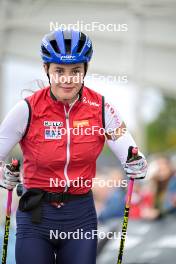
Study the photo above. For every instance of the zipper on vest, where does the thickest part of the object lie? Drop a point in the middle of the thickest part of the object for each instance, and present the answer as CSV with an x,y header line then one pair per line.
x,y
68,147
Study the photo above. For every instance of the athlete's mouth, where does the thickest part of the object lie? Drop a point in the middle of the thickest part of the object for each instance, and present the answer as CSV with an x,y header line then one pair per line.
x,y
67,89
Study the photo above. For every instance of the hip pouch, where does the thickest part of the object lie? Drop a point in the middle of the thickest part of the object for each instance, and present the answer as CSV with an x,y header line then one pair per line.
x,y
31,200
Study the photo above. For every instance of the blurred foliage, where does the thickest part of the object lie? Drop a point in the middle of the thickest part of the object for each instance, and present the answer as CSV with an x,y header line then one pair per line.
x,y
161,133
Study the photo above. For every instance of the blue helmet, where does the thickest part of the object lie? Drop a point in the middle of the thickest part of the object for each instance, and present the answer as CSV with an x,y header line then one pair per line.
x,y
66,47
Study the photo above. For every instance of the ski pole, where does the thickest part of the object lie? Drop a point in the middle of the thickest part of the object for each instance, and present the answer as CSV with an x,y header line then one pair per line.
x,y
14,166
132,155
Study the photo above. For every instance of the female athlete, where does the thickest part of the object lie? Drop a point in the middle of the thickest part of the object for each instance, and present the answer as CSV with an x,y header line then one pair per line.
x,y
62,129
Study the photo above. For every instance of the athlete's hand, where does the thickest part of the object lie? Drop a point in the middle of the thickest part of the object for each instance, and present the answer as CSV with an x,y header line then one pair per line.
x,y
136,168
9,177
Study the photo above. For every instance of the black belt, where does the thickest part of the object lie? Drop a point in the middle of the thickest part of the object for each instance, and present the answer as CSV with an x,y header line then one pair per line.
x,y
32,199
63,197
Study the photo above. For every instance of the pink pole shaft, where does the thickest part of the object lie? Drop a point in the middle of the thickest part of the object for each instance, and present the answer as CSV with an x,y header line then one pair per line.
x,y
9,203
129,192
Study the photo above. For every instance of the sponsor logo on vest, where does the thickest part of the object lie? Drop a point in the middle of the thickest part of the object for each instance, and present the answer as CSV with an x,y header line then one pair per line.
x,y
87,101
81,123
53,123
52,134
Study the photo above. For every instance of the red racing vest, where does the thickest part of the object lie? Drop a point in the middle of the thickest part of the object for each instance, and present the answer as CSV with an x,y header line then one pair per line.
x,y
61,143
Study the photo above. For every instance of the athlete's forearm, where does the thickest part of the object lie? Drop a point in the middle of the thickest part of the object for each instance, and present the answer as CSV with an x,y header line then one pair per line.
x,y
120,146
12,128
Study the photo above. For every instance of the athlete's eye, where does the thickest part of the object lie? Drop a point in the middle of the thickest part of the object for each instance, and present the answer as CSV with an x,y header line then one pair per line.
x,y
76,71
59,71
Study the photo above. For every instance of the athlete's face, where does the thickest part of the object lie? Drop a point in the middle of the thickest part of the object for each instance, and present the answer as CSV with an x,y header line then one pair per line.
x,y
66,80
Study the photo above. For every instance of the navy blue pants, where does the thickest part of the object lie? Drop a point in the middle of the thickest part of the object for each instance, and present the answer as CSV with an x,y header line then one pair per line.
x,y
65,235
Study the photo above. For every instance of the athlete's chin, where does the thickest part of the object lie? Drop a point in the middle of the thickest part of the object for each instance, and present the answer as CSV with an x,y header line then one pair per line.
x,y
67,96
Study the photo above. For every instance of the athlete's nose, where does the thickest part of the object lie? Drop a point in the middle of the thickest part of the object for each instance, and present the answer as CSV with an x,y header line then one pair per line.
x,y
67,78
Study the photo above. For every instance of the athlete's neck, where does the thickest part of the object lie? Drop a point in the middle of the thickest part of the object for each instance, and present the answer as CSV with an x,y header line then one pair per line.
x,y
71,101
66,101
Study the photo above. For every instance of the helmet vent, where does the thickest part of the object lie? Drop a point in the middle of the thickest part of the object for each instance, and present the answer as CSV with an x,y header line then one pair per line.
x,y
88,53
55,46
68,46
45,52
81,43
